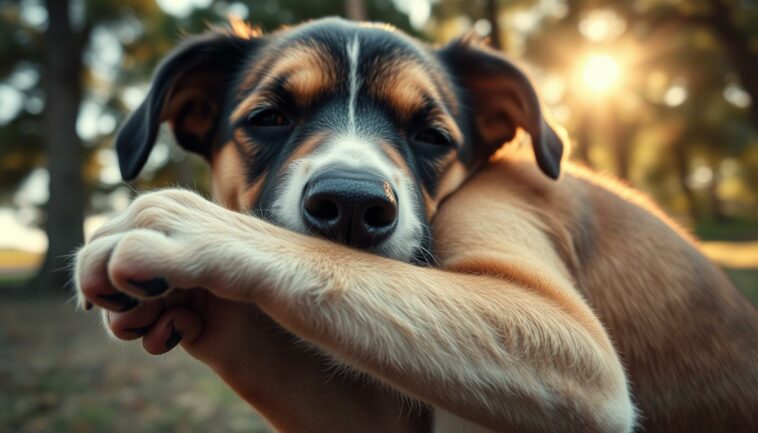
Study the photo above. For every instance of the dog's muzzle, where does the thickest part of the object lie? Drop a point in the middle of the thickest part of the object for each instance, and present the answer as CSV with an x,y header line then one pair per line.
x,y
355,208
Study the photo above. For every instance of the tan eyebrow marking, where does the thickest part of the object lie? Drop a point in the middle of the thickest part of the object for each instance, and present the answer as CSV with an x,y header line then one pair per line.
x,y
305,68
405,84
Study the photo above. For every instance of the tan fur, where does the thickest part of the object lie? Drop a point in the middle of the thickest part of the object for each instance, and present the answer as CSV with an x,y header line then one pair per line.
x,y
505,341
230,187
306,69
242,29
453,174
430,205
546,288
190,95
403,84
558,306
564,248
688,339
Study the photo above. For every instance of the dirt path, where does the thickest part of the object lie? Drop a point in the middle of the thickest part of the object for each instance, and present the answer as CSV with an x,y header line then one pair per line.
x,y
59,373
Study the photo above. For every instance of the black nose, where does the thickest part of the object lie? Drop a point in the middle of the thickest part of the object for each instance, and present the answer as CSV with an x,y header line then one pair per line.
x,y
357,209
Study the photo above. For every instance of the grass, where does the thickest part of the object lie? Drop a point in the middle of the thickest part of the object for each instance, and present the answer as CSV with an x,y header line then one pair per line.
x,y
15,259
738,255
747,281
16,267
59,373
734,230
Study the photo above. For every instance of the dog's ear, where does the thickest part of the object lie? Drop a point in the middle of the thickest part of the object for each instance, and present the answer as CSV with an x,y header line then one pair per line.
x,y
501,99
189,90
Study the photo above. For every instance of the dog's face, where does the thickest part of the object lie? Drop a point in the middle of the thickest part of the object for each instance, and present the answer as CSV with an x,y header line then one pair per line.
x,y
347,131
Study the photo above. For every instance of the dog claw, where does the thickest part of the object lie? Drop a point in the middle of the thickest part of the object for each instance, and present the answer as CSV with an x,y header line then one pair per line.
x,y
174,338
152,287
124,302
141,331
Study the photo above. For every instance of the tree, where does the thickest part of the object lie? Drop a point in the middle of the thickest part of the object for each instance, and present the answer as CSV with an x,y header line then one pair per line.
x,y
493,16
668,126
355,10
61,51
64,224
731,25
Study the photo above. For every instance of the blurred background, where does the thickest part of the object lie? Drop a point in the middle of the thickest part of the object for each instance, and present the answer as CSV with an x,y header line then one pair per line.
x,y
663,94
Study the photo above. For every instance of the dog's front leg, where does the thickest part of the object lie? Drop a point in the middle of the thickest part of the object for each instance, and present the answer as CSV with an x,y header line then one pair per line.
x,y
514,353
175,235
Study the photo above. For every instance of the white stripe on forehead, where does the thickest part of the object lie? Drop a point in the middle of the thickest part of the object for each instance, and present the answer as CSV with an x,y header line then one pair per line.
x,y
352,54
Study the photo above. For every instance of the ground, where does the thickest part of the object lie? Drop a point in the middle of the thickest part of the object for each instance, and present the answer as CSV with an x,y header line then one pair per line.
x,y
59,372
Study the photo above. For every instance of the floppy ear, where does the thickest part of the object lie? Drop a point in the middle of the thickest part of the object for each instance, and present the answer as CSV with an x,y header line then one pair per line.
x,y
501,99
189,89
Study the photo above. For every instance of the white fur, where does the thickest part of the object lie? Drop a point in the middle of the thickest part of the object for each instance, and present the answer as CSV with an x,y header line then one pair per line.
x,y
353,150
353,49
480,346
361,153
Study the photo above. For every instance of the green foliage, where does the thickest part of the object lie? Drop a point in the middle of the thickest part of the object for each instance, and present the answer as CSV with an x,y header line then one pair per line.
x,y
641,130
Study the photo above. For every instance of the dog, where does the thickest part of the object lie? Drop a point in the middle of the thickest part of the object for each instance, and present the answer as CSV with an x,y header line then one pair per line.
x,y
370,219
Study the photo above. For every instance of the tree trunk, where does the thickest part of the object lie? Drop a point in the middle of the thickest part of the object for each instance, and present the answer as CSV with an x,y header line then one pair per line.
x,y
355,10
717,207
584,137
737,46
496,34
65,207
623,140
682,171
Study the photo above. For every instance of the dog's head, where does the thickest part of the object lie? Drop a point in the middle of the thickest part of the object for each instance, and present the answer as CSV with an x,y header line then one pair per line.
x,y
353,132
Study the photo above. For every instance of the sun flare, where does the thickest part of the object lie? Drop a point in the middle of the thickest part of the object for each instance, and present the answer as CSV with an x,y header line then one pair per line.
x,y
600,73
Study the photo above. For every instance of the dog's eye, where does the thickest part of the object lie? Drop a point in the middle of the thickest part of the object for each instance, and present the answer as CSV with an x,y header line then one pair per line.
x,y
432,136
267,117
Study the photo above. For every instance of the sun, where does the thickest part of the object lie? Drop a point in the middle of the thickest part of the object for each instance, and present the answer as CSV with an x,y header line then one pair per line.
x,y
600,73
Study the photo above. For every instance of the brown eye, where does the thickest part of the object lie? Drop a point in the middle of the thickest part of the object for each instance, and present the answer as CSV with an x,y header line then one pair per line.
x,y
433,137
267,117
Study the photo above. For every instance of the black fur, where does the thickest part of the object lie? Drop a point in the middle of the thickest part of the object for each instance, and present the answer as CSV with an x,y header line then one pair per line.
x,y
220,62
218,56
470,64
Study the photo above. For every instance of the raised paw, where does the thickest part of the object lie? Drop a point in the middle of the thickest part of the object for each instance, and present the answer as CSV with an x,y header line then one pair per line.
x,y
115,272
160,326
149,266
